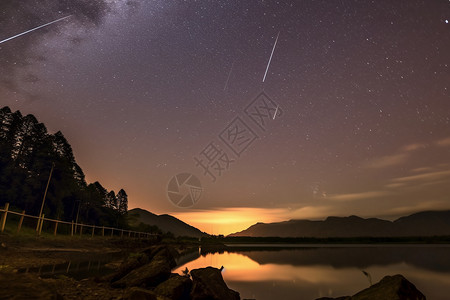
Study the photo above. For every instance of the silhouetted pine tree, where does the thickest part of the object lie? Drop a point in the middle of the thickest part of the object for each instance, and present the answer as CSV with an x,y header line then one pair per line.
x,y
122,199
27,154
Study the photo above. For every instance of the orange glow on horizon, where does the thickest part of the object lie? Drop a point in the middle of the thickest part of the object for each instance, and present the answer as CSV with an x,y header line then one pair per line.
x,y
229,220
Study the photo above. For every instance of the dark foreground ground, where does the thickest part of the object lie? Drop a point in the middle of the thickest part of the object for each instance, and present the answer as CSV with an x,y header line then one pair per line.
x,y
18,253
141,269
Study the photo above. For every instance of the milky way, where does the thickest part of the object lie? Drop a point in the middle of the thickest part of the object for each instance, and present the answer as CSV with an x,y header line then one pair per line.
x,y
141,88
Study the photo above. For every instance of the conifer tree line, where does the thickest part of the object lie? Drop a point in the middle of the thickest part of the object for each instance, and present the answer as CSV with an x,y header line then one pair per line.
x,y
27,154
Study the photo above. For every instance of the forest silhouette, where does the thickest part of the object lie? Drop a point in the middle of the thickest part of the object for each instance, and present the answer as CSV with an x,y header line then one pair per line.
x,y
27,154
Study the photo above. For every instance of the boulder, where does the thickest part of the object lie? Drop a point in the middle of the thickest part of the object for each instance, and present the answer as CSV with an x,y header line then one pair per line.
x,y
394,287
140,259
148,275
208,284
167,254
132,262
177,287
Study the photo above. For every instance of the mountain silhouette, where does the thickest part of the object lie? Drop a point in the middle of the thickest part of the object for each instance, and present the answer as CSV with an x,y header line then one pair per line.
x,y
429,223
166,223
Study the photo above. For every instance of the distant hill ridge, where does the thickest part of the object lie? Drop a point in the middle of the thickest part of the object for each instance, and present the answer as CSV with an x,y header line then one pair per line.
x,y
428,223
166,223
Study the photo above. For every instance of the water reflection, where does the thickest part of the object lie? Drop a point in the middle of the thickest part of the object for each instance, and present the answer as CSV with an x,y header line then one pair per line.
x,y
75,269
312,272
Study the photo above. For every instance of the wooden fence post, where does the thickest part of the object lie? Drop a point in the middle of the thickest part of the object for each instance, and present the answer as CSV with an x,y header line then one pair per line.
x,y
71,229
93,230
129,233
21,221
42,223
81,229
56,227
38,224
4,216
112,231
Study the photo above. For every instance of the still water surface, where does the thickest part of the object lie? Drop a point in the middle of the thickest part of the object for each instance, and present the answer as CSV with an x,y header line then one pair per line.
x,y
309,272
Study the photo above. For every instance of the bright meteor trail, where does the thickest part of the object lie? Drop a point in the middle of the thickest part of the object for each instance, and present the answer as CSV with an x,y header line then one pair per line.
x,y
39,27
270,59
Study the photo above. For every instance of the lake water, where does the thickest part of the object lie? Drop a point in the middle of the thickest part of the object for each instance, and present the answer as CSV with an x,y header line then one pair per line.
x,y
81,266
313,271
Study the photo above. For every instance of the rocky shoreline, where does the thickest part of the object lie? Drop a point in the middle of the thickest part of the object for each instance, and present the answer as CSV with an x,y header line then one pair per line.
x,y
146,274
142,275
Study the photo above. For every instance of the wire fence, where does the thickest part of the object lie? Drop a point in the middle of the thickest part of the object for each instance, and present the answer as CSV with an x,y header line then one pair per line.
x,y
18,220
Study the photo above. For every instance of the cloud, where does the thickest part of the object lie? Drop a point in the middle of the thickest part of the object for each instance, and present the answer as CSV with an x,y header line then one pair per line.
x,y
422,169
359,196
421,206
430,176
395,185
413,147
387,161
443,142
312,212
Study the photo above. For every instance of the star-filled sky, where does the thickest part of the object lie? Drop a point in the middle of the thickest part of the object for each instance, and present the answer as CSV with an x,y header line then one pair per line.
x,y
141,88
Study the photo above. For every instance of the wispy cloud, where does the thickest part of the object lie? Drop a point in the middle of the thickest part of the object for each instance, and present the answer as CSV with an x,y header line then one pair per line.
x,y
413,147
387,161
421,206
313,212
395,185
403,154
359,196
443,142
422,169
430,176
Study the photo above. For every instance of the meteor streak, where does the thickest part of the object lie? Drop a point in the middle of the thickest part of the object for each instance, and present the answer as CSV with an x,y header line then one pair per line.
x,y
270,59
275,114
229,73
28,31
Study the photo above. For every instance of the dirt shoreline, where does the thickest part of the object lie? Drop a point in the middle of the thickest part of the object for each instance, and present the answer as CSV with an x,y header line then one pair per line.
x,y
32,252
28,252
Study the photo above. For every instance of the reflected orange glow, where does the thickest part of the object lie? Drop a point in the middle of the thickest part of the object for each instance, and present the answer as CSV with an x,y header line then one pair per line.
x,y
326,280
238,267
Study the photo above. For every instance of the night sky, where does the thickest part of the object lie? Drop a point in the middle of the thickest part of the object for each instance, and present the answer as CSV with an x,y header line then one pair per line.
x,y
141,88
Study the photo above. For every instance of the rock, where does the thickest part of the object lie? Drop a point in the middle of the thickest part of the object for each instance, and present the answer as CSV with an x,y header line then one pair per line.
x,y
132,262
166,252
208,284
148,275
137,260
394,287
177,287
136,293
26,286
